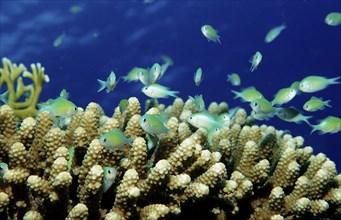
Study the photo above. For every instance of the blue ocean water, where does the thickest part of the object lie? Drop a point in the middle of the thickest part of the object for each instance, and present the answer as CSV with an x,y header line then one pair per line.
x,y
116,36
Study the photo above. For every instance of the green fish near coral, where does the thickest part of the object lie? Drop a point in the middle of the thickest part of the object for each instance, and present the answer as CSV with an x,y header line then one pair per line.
x,y
224,119
316,83
315,104
210,33
330,124
133,74
234,79
274,33
260,116
291,114
198,77
333,19
59,107
255,61
158,91
108,177
203,120
153,124
283,96
262,105
248,95
3,170
109,84
70,159
123,105
199,102
114,140
154,73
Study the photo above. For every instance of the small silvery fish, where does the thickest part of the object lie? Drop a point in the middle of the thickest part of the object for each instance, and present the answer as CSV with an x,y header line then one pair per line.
x,y
315,104
58,41
114,140
203,120
330,124
283,96
274,33
153,124
248,95
333,19
210,33
316,83
109,84
255,61
234,79
198,102
109,175
291,114
262,105
59,107
158,91
198,76
154,73
133,74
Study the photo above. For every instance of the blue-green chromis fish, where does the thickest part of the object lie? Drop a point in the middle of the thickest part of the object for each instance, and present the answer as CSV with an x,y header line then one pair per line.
x,y
4,97
248,94
58,41
333,19
199,103
108,177
262,105
158,91
109,84
234,79
59,107
203,120
274,33
260,116
198,77
283,96
291,114
114,140
123,105
255,61
167,63
316,83
132,75
153,124
224,119
210,33
3,169
314,104
330,124
154,73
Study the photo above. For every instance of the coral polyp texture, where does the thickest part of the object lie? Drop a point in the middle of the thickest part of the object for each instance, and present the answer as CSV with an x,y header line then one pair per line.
x,y
22,98
245,172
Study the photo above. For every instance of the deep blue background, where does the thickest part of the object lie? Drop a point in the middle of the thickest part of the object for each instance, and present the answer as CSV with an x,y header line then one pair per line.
x,y
119,35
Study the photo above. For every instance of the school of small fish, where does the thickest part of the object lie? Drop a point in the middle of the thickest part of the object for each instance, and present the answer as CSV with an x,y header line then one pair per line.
x,y
155,125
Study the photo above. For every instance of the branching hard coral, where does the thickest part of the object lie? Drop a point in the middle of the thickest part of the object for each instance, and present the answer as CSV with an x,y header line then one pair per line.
x,y
243,172
11,75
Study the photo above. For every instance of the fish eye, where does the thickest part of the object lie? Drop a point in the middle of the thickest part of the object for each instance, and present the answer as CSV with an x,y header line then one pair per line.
x,y
109,171
255,104
146,88
190,118
104,140
144,120
75,108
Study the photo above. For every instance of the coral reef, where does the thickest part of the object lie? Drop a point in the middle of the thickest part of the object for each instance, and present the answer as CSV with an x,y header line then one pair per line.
x,y
22,98
246,172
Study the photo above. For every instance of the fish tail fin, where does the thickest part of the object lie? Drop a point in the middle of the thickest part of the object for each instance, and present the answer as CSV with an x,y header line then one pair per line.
x,y
313,128
218,39
305,119
173,93
334,80
101,85
237,95
4,97
326,103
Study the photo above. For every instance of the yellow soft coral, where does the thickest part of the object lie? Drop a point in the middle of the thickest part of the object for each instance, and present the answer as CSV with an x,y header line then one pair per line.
x,y
11,75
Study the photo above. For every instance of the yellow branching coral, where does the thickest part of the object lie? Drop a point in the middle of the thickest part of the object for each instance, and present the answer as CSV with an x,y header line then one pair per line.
x,y
11,75
244,172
